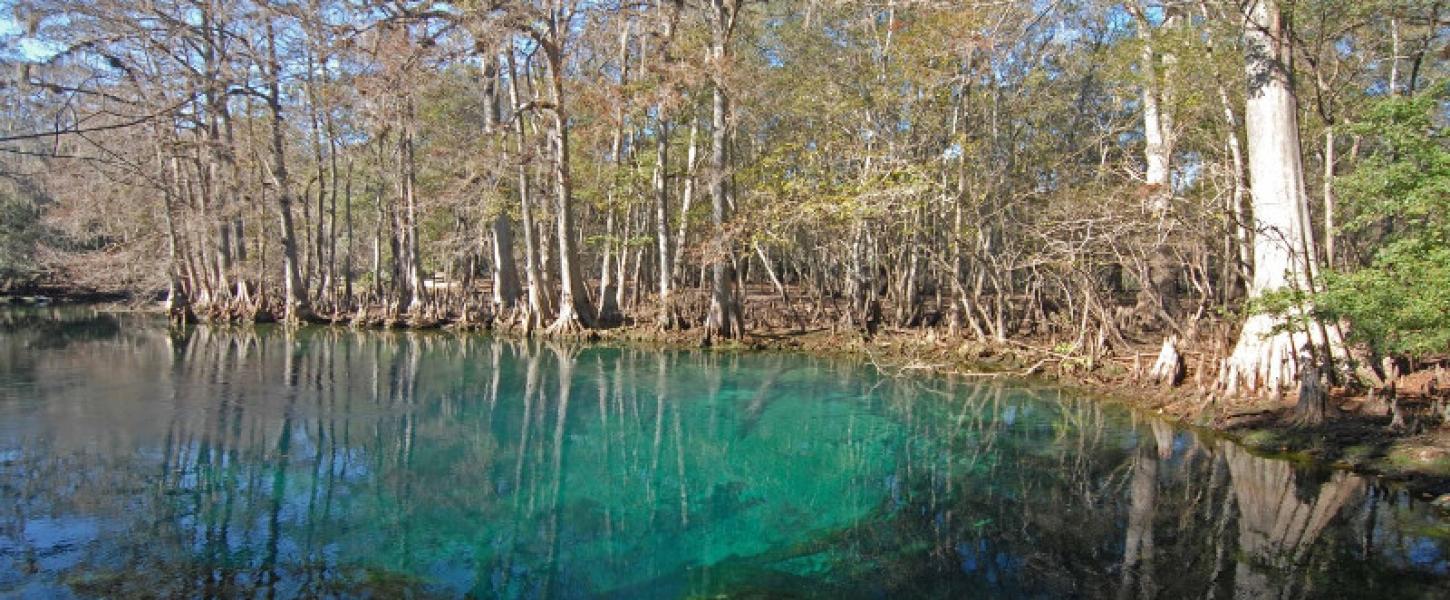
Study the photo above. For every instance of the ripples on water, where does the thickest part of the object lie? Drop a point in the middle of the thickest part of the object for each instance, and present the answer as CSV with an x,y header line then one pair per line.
x,y
226,462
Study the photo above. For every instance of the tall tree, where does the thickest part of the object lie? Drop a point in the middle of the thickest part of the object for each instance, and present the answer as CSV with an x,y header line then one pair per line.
x,y
576,311
1268,353
668,316
1159,299
294,292
724,319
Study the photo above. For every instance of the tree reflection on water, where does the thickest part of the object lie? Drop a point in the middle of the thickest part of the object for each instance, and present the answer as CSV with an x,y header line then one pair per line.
x,y
256,461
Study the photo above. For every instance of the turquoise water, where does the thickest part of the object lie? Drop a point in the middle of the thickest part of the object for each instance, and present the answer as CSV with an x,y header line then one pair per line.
x,y
137,462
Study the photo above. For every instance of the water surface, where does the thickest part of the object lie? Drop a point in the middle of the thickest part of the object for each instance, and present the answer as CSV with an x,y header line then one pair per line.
x,y
258,462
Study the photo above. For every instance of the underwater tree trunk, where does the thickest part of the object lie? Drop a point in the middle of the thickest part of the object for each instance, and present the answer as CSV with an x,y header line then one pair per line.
x,y
1138,545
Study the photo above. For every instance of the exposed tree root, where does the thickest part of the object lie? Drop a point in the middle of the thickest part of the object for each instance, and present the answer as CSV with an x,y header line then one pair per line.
x,y
570,323
669,317
1270,361
1169,369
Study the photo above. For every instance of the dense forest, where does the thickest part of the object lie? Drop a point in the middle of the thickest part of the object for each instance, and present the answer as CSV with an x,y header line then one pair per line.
x,y
1096,173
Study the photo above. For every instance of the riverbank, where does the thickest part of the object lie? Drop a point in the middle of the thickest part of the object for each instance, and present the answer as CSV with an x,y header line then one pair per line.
x,y
1358,438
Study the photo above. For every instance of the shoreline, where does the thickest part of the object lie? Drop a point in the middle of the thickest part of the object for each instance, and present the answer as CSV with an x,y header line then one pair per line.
x,y
1353,440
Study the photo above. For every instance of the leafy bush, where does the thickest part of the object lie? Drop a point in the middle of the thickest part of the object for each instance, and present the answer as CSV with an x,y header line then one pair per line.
x,y
1399,200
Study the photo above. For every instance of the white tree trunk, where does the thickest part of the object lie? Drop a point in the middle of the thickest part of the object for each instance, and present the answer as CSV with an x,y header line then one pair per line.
x,y
538,302
1169,369
417,291
668,317
1265,359
687,197
1160,297
576,311
1158,150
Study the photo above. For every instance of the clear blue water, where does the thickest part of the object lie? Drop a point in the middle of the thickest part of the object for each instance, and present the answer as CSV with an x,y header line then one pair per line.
x,y
138,462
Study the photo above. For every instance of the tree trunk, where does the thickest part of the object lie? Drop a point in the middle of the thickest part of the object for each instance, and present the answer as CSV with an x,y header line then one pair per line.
x,y
1161,301
687,197
1265,357
294,295
505,270
1313,407
379,222
347,258
575,309
724,319
611,285
1329,159
413,265
668,317
608,281
1169,369
537,305
1157,120
178,305
1241,242
331,131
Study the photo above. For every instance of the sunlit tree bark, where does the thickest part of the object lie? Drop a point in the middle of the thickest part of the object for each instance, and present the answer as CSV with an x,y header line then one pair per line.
x,y
576,311
294,293
724,319
1266,357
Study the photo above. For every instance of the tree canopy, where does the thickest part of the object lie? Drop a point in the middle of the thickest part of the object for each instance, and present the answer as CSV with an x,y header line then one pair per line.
x,y
1075,170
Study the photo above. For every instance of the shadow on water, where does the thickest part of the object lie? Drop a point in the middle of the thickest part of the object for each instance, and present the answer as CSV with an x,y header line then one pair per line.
x,y
234,462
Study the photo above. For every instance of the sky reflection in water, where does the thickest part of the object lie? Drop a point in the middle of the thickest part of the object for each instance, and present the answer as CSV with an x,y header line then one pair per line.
x,y
332,462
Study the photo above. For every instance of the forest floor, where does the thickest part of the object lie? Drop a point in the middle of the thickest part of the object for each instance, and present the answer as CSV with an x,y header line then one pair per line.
x,y
1358,437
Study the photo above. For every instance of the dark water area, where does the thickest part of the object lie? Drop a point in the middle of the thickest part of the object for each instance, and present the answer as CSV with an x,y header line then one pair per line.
x,y
141,462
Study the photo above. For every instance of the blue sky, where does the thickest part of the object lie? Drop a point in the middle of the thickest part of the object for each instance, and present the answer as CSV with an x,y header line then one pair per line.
x,y
12,45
